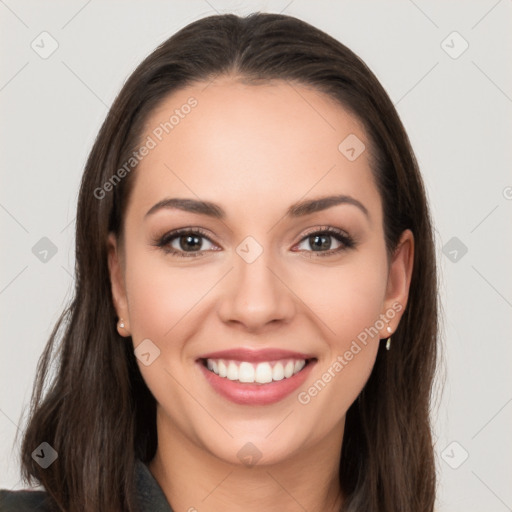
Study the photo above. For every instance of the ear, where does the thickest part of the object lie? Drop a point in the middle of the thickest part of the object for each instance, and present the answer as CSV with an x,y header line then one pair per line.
x,y
116,270
399,280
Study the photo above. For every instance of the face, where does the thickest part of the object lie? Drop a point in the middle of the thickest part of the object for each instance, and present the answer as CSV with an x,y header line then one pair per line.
x,y
297,292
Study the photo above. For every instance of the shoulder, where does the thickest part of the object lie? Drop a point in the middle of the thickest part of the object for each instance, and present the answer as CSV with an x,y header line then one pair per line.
x,y
23,501
150,495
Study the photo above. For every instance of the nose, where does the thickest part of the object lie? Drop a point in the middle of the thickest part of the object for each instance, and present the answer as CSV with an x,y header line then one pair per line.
x,y
256,295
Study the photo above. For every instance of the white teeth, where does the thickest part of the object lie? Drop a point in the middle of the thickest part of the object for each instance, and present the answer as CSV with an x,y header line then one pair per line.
x,y
232,371
288,369
245,372
298,366
278,372
223,371
261,373
212,365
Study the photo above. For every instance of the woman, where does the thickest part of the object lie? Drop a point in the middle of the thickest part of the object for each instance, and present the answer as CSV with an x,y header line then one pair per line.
x,y
252,230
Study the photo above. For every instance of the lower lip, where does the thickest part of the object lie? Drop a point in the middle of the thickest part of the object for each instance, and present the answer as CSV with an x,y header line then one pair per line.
x,y
256,394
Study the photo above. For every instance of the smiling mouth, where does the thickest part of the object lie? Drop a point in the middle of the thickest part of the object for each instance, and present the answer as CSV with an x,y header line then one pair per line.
x,y
263,372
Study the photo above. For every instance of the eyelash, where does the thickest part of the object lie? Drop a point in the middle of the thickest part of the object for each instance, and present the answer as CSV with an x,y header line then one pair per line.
x,y
163,242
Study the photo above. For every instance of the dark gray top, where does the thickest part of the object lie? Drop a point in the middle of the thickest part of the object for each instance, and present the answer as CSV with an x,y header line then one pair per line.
x,y
150,495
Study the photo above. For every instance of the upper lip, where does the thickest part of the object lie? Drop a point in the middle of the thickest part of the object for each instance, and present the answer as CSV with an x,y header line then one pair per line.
x,y
250,355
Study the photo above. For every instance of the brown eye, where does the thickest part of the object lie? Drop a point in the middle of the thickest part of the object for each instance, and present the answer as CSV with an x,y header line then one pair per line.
x,y
189,242
185,243
320,242
326,242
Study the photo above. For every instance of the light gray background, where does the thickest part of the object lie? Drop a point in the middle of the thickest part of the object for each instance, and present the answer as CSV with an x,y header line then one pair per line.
x,y
457,112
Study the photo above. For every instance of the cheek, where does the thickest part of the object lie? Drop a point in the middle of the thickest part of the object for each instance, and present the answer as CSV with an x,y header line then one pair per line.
x,y
346,299
348,303
160,296
163,300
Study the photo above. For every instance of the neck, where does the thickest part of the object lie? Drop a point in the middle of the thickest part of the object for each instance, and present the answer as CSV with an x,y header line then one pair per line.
x,y
193,479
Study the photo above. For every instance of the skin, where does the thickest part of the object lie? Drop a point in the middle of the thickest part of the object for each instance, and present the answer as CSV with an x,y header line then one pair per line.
x,y
254,150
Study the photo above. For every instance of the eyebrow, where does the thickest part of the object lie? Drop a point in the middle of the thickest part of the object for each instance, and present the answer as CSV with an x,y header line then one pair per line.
x,y
300,209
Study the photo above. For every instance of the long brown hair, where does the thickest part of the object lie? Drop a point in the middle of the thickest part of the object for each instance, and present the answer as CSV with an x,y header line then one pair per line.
x,y
96,411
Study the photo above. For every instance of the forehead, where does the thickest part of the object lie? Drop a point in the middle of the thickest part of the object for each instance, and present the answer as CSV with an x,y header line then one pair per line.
x,y
236,144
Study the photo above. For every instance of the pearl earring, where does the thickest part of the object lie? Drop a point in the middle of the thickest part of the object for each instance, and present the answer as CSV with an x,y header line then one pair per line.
x,y
388,342
121,324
